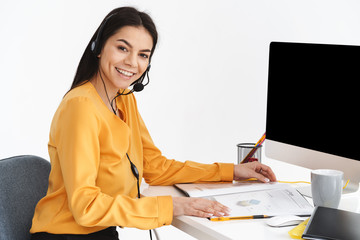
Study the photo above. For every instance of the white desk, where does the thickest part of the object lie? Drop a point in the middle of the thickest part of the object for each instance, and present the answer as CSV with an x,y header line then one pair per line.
x,y
201,228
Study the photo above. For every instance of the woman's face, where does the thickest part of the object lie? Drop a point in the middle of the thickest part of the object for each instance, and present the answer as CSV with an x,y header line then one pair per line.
x,y
125,56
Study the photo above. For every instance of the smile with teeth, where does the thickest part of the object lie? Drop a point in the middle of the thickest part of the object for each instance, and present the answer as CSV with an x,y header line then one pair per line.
x,y
126,73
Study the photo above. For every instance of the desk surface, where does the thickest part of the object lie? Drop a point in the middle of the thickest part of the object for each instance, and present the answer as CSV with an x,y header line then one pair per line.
x,y
201,228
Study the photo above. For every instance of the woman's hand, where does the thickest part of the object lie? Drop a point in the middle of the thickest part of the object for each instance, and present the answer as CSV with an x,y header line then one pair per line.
x,y
198,207
254,170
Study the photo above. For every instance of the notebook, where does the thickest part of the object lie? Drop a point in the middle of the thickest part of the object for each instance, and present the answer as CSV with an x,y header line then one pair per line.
x,y
329,223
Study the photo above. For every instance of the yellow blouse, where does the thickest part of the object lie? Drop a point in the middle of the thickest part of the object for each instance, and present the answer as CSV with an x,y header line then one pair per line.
x,y
91,186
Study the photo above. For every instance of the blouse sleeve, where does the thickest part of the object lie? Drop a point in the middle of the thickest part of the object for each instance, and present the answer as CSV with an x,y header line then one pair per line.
x,y
77,142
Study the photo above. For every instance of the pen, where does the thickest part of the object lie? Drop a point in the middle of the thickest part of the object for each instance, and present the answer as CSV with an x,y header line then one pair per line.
x,y
218,219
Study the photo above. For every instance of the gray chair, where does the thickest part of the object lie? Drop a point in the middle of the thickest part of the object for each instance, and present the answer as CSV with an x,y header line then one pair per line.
x,y
23,182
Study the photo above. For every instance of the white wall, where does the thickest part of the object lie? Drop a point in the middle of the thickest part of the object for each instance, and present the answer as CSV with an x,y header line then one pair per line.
x,y
208,76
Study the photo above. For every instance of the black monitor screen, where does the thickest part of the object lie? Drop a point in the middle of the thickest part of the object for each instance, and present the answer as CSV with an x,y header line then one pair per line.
x,y
313,97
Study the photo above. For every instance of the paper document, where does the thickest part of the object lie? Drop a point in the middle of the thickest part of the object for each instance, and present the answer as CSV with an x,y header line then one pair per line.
x,y
211,189
249,198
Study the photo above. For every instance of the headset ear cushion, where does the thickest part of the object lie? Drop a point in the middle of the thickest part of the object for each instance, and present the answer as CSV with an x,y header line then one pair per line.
x,y
93,45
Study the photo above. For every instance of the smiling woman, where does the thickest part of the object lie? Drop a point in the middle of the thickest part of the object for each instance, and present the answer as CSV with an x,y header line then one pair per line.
x,y
123,60
100,149
120,29
127,51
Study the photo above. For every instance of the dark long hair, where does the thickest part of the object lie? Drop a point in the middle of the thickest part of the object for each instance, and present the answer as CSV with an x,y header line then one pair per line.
x,y
116,19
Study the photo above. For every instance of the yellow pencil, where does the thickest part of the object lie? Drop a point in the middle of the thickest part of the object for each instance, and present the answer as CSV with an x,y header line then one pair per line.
x,y
218,219
251,153
261,140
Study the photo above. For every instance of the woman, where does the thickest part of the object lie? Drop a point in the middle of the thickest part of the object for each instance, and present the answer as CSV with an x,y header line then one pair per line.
x,y
100,148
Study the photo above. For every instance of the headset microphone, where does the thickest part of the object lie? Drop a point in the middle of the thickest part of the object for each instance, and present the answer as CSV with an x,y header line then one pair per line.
x,y
138,85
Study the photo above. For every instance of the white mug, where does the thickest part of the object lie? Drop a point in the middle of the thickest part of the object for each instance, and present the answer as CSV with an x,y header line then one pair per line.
x,y
326,187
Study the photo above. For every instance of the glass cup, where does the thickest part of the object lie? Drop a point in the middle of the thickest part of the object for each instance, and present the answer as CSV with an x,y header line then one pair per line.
x,y
244,150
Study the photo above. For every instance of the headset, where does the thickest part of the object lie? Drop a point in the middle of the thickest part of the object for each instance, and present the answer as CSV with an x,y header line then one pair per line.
x,y
138,85
95,48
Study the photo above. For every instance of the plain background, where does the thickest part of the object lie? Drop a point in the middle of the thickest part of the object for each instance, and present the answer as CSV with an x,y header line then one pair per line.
x,y
208,77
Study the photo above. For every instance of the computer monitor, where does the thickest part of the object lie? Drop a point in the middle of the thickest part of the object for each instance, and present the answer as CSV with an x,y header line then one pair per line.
x,y
313,113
